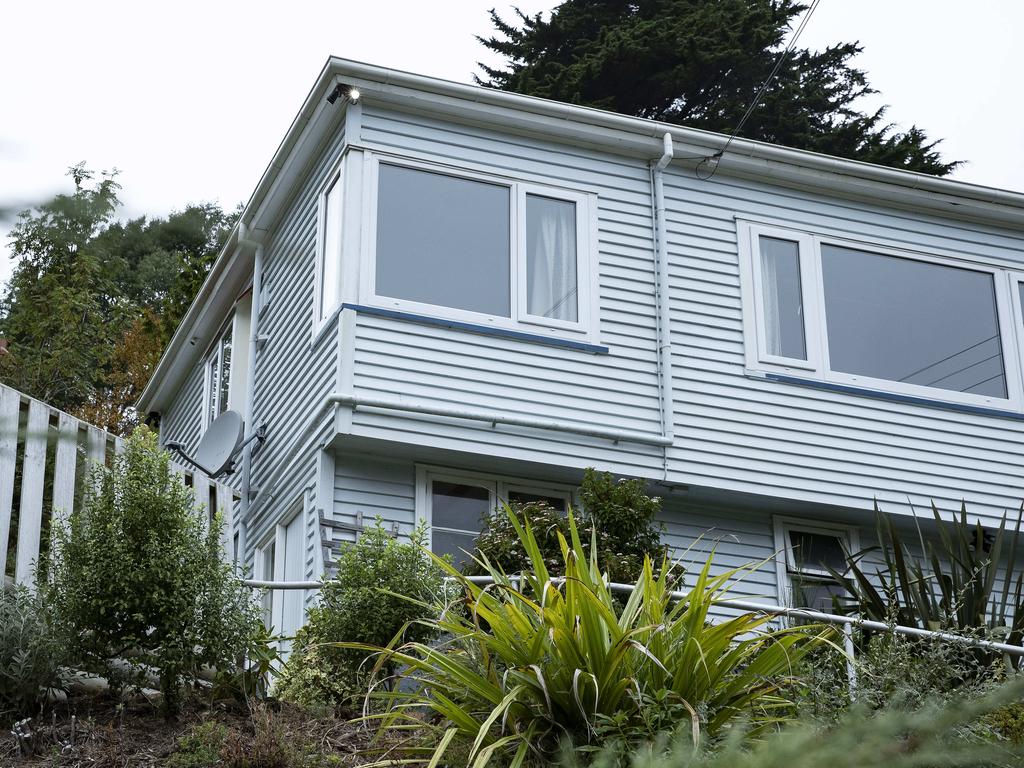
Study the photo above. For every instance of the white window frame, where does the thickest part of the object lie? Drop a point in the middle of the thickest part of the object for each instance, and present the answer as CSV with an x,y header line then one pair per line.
x,y
322,314
785,561
497,485
817,365
586,325
213,357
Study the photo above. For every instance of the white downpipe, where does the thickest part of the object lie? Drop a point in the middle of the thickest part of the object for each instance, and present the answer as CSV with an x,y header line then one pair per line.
x,y
662,295
250,390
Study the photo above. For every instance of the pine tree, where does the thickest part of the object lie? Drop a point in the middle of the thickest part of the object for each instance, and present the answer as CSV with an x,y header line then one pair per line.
x,y
700,63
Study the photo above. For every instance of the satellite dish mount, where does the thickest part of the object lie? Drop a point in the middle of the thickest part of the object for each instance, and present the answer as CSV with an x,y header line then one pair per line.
x,y
224,438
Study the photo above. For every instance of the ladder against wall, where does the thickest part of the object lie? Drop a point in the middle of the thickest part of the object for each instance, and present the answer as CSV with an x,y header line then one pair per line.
x,y
46,456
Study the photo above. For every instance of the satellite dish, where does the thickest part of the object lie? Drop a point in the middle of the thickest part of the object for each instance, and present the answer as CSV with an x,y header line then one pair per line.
x,y
221,442
224,438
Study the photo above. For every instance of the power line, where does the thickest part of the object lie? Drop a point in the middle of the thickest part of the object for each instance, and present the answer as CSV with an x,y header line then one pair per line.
x,y
760,93
965,368
948,357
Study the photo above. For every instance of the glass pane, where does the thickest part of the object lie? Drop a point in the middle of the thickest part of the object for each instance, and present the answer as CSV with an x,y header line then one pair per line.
x,y
912,321
443,240
551,289
521,497
782,298
225,372
459,506
816,594
332,249
814,551
212,386
455,544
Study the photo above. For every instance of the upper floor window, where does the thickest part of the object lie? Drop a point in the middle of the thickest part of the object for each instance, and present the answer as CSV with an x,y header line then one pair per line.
x,y
218,374
329,249
480,249
879,317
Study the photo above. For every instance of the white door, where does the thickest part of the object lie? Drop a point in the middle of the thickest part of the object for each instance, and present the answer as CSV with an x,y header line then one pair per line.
x,y
293,568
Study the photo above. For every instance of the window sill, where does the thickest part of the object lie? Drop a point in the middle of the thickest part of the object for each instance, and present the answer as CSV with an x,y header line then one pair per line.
x,y
483,330
323,326
893,397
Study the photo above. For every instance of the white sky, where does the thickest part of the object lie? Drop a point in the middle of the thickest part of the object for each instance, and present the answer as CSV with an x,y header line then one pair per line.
x,y
190,99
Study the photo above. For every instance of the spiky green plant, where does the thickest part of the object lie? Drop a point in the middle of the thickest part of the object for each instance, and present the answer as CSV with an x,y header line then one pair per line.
x,y
534,661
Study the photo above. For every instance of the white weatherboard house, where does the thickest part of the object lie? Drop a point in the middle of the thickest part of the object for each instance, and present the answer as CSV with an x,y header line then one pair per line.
x,y
441,296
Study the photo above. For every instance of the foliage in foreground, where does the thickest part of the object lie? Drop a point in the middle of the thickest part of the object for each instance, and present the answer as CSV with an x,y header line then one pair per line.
x,y
699,63
526,666
966,580
138,578
32,652
618,515
926,738
380,587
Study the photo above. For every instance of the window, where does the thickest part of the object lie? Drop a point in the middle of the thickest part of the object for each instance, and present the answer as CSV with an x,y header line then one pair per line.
x,y
480,249
878,317
329,259
218,374
807,552
455,505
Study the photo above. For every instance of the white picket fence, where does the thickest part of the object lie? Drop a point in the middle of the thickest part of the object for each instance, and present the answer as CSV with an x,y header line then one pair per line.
x,y
45,457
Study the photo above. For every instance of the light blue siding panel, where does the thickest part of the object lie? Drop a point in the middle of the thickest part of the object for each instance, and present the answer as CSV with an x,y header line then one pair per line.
x,y
182,421
741,433
450,368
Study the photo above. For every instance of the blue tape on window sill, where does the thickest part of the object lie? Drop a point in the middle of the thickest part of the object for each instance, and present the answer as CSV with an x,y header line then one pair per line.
x,y
485,330
894,396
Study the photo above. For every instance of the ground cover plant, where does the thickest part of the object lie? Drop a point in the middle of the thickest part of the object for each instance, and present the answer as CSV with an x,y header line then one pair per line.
x,y
33,650
141,580
529,663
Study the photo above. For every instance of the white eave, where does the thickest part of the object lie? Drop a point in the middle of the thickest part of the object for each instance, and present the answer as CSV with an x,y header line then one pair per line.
x,y
553,120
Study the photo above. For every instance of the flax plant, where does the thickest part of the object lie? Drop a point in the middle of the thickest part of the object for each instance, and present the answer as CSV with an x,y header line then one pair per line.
x,y
531,662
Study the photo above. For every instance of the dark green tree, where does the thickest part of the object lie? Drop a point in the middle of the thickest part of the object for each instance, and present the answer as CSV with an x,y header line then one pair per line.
x,y
700,63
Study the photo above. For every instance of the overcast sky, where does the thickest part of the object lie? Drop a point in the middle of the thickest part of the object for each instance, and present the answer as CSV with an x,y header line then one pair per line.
x,y
190,99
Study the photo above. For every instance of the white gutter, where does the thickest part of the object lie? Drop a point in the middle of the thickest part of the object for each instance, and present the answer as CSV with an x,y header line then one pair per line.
x,y
661,294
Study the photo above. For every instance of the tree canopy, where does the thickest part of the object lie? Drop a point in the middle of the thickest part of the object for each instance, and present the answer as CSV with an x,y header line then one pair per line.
x,y
93,301
700,63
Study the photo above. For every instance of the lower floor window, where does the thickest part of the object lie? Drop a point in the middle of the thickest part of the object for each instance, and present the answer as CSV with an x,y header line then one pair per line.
x,y
456,506
811,554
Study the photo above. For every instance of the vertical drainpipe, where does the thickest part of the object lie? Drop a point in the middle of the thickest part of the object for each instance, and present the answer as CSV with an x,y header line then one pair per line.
x,y
662,295
250,391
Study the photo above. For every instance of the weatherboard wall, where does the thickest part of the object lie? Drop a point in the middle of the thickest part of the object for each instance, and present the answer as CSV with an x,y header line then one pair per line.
x,y
452,368
740,433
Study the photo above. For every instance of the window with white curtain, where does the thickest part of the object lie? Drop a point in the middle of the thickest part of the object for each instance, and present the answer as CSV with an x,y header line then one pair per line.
x,y
879,317
479,248
329,269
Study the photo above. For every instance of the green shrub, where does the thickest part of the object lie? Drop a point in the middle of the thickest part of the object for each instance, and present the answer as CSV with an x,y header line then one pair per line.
x,y
526,666
137,576
619,515
382,587
895,739
200,747
32,651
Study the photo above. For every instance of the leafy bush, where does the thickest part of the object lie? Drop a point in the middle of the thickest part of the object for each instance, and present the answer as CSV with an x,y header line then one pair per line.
x,y
200,747
527,665
618,515
138,577
32,651
895,739
382,587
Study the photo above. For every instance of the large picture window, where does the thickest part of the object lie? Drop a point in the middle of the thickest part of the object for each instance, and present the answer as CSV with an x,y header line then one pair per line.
x,y
880,318
479,249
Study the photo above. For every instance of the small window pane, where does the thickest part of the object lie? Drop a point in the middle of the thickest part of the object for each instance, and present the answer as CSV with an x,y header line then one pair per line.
x,y
551,280
225,372
331,256
912,321
521,497
782,298
212,387
455,544
443,240
816,594
459,506
815,551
